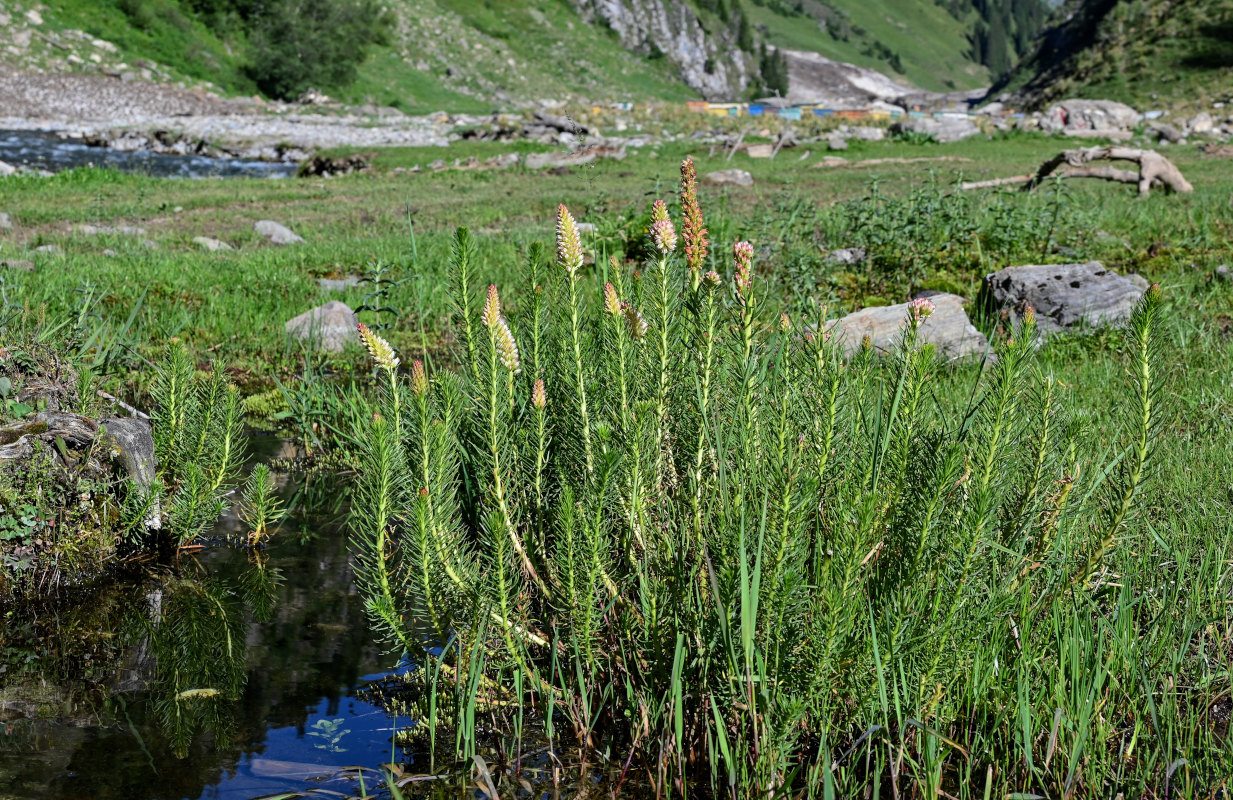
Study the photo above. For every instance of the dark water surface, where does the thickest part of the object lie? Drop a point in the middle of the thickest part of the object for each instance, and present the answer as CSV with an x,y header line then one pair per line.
x,y
48,151
229,674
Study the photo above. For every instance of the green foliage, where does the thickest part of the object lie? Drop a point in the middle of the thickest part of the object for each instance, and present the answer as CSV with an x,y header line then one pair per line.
x,y
760,550
198,441
260,506
298,44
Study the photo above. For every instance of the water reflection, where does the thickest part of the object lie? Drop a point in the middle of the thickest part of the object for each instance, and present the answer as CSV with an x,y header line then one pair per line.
x,y
48,151
228,675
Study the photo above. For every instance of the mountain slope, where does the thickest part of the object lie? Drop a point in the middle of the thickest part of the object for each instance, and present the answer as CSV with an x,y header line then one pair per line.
x,y
1142,52
477,55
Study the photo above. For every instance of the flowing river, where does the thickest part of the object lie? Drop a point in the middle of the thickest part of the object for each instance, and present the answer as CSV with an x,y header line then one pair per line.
x,y
53,153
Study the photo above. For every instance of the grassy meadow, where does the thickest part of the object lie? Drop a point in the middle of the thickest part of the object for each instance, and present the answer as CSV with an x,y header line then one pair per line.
x,y
1012,579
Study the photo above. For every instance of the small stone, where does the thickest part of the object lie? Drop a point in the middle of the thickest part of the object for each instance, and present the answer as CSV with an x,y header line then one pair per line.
x,y
945,129
6,222
111,230
47,248
330,326
1223,273
836,143
338,284
18,263
730,177
847,256
947,328
7,169
760,150
109,252
276,233
213,245
149,244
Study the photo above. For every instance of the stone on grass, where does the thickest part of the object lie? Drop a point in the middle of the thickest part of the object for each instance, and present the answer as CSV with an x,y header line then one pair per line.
x,y
847,256
836,143
329,326
338,284
47,248
1063,295
111,230
948,329
7,169
6,222
18,263
944,129
760,150
275,233
1223,273
730,177
213,245
1097,115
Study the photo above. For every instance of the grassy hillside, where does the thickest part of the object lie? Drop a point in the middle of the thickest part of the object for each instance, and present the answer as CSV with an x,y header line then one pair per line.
x,y
931,44
1143,52
475,55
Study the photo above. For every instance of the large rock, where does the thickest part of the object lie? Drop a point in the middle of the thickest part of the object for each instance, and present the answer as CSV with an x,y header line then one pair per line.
x,y
330,326
1063,295
730,177
1094,115
275,233
948,328
943,129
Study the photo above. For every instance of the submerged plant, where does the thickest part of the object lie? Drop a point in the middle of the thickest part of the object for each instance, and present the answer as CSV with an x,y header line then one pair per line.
x,y
749,555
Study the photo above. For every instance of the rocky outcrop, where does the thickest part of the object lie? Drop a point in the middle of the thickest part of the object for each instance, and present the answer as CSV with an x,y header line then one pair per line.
x,y
712,64
276,233
1077,117
1064,296
331,326
947,328
944,129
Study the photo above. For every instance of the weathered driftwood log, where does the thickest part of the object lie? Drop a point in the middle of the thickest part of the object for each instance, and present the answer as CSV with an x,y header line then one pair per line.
x,y
1154,170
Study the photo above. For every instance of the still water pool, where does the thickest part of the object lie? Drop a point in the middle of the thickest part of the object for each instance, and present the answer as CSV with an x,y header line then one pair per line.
x,y
226,674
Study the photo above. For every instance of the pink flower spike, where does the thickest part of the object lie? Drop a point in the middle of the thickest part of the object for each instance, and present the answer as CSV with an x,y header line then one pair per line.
x,y
663,235
538,398
612,303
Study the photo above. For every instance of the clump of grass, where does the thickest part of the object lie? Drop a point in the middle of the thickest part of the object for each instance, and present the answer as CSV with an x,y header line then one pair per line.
x,y
260,507
692,528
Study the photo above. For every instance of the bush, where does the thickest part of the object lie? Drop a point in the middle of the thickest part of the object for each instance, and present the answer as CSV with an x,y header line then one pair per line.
x,y
298,44
744,552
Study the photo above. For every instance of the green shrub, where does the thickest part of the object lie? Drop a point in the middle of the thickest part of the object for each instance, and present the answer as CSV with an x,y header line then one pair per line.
x,y
298,44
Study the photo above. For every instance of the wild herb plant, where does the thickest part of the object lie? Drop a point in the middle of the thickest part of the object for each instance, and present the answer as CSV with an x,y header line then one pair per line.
x,y
260,506
740,552
198,441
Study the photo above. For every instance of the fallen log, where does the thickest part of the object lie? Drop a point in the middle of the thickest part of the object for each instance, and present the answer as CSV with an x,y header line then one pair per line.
x,y
1154,170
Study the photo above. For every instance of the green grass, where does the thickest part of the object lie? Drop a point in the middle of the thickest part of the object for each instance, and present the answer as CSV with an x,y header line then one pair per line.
x,y
1133,652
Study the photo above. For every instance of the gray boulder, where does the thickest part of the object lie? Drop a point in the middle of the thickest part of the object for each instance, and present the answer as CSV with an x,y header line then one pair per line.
x,y
18,263
1096,115
275,233
331,326
213,245
1063,295
948,329
1165,131
836,143
944,129
730,177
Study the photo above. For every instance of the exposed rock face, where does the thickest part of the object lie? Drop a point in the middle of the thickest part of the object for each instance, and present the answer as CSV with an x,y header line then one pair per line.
x,y
1088,115
711,64
948,329
946,129
1063,295
813,78
730,177
331,326
276,233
